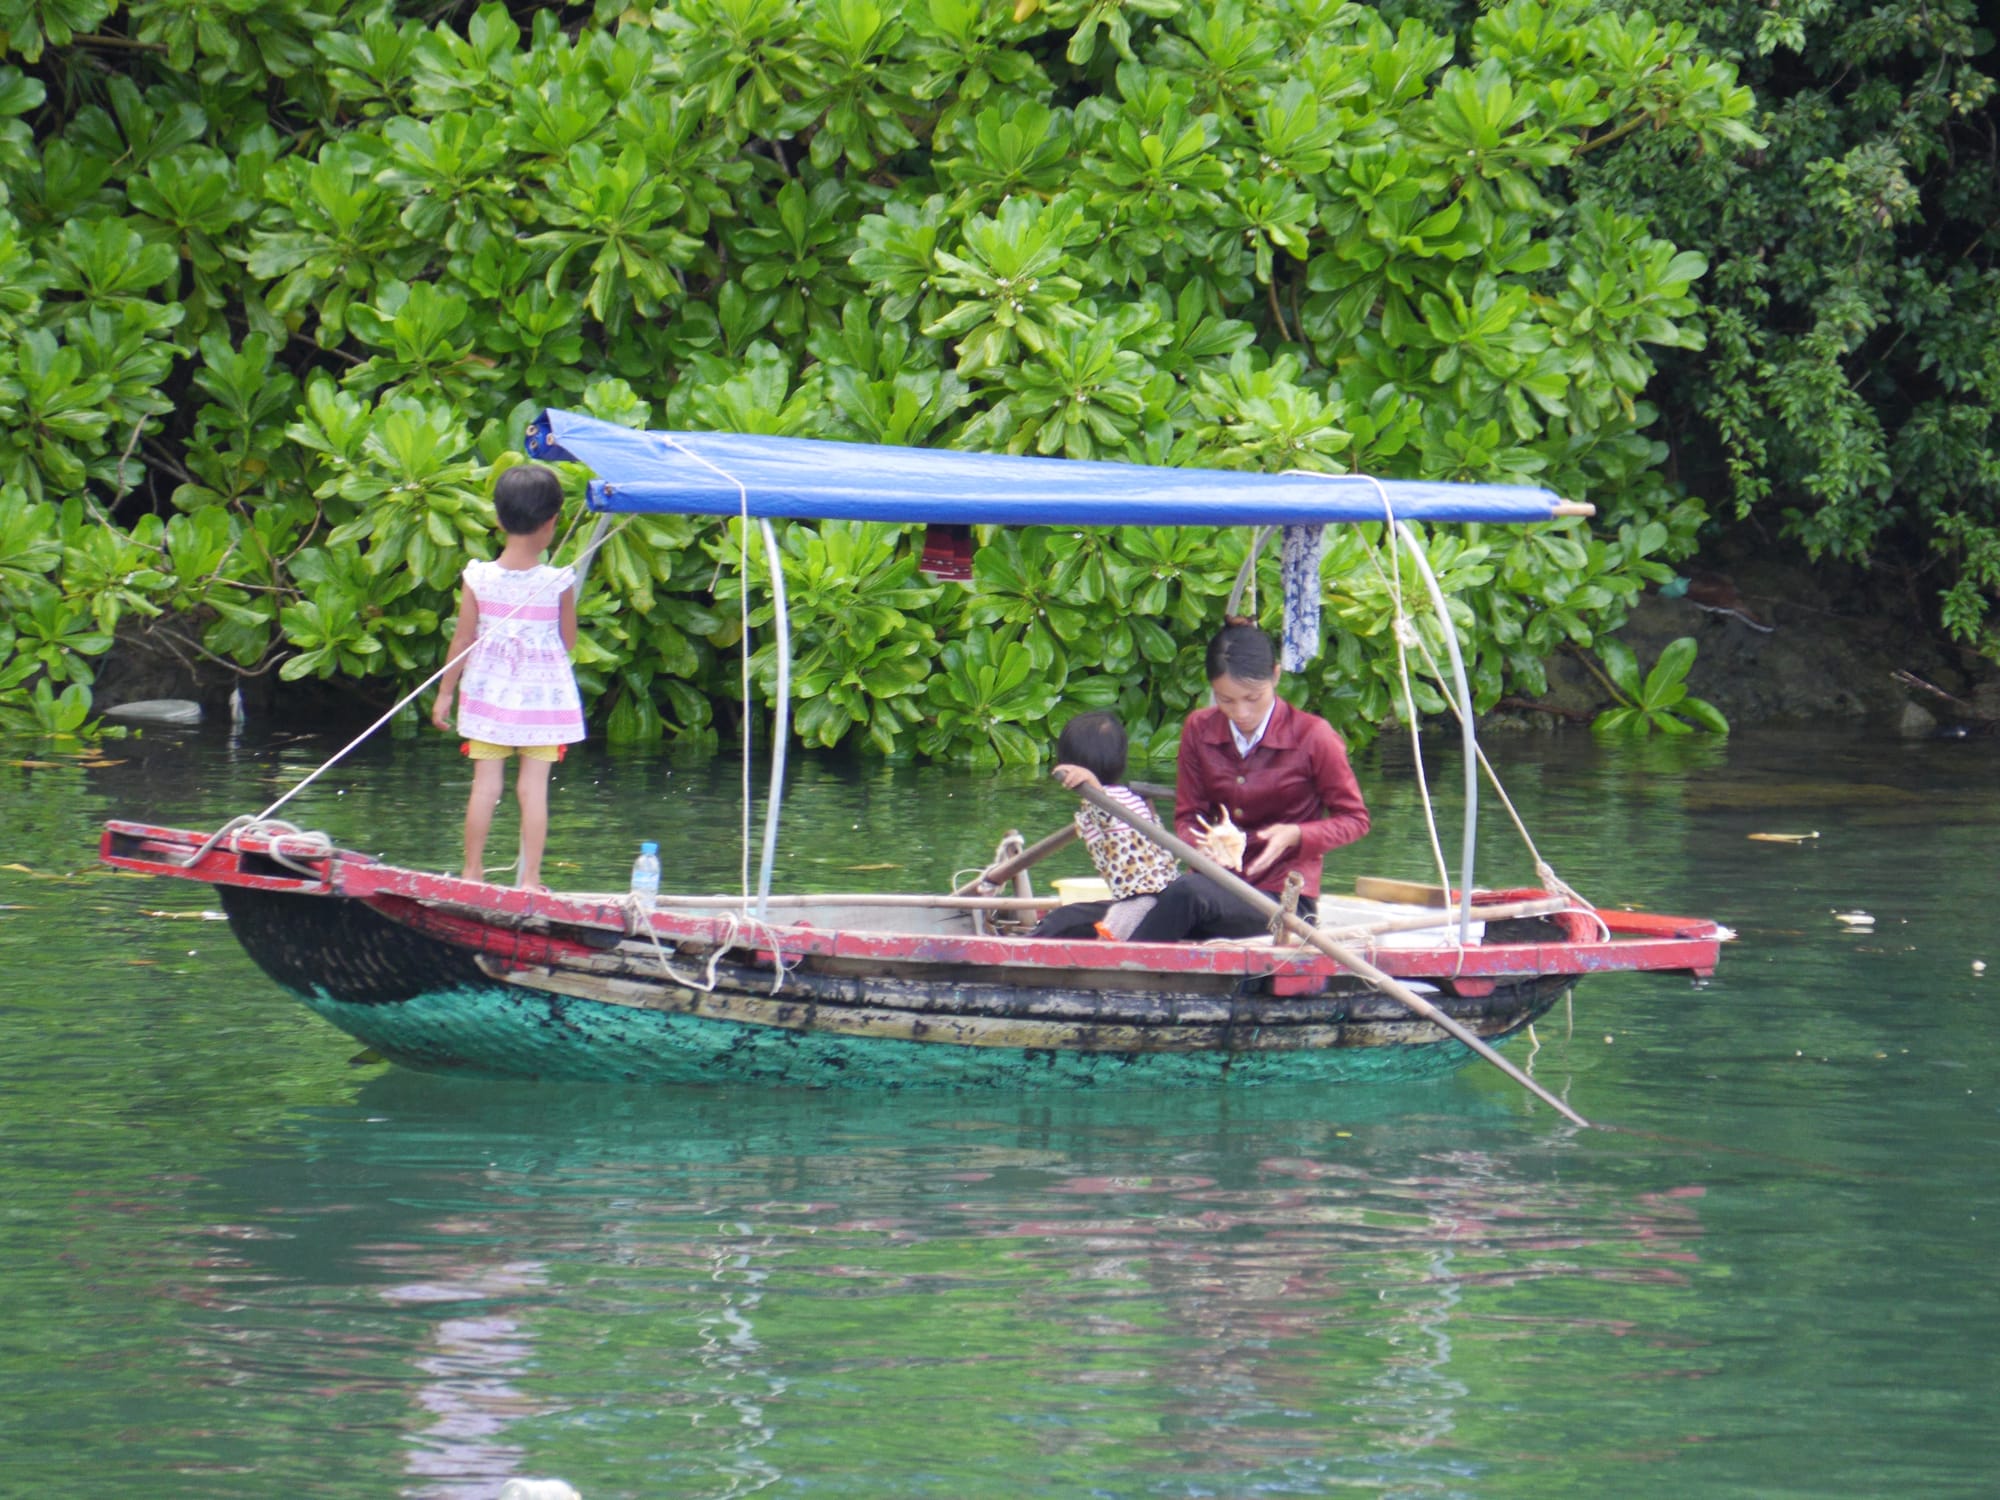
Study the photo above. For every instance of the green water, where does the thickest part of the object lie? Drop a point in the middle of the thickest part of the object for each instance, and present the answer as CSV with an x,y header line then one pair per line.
x,y
234,1263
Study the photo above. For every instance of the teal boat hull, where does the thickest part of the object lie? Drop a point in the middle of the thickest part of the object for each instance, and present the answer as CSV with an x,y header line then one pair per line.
x,y
500,1031
445,1007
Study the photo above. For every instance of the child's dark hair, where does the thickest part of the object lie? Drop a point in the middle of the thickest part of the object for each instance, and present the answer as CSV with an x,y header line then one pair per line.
x,y
1095,741
525,497
1242,651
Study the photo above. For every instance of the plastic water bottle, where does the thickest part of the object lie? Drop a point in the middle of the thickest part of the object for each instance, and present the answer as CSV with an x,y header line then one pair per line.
x,y
646,876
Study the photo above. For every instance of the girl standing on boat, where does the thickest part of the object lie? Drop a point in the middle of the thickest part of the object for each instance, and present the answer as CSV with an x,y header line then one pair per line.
x,y
1090,751
1256,764
519,693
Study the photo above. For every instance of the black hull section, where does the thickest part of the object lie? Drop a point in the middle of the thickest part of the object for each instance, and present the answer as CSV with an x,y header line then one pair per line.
x,y
343,949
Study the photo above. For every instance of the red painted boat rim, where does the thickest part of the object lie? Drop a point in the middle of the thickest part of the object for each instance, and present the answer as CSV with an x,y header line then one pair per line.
x,y
1629,941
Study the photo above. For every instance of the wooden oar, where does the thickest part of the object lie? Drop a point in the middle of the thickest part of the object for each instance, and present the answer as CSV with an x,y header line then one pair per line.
x,y
1008,868
1347,958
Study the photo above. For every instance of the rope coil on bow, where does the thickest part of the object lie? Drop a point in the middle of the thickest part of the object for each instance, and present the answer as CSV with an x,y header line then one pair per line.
x,y
277,833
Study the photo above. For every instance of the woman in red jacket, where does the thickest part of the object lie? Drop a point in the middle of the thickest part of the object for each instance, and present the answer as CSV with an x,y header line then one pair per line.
x,y
1281,775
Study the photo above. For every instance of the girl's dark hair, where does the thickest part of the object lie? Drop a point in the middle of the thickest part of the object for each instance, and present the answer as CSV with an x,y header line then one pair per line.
x,y
1095,741
1242,651
525,497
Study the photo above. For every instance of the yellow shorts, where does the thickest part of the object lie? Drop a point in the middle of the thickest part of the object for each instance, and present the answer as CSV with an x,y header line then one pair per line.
x,y
487,750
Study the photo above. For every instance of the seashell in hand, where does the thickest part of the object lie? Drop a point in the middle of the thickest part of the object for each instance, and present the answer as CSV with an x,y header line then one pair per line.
x,y
1222,841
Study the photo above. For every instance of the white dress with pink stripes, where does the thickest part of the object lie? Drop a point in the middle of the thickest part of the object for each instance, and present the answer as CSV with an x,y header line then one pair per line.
x,y
518,688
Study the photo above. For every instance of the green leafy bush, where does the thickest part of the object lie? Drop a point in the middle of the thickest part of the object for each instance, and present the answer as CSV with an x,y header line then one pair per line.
x,y
1848,399
1659,700
281,283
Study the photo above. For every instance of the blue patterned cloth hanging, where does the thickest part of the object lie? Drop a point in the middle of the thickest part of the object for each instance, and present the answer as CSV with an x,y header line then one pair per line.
x,y
1304,548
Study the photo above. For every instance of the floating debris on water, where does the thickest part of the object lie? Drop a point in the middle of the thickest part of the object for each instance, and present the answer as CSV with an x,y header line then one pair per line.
x,y
1979,966
1784,838
1854,918
187,916
182,711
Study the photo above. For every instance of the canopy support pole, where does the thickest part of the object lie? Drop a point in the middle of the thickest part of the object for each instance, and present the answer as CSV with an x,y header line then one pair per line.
x,y
1258,538
782,720
1450,631
782,723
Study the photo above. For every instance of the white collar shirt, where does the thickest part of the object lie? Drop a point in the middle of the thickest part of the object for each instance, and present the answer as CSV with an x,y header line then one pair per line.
x,y
1245,743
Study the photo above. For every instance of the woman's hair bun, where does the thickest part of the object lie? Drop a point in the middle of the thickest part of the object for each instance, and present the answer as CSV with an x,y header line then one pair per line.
x,y
1243,651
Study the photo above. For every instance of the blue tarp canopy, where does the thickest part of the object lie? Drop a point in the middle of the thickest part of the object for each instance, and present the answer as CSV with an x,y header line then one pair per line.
x,y
698,472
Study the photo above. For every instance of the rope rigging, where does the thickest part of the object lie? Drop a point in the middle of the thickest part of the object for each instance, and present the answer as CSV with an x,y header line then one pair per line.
x,y
1407,633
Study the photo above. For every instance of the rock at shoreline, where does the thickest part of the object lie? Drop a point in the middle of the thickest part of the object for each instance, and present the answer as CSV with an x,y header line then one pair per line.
x,y
1778,642
1917,722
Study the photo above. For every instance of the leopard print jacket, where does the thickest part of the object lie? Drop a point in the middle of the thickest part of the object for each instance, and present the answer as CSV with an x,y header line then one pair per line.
x,y
1130,863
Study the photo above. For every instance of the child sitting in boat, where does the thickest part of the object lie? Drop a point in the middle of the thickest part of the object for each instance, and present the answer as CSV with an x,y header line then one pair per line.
x,y
1090,751
519,693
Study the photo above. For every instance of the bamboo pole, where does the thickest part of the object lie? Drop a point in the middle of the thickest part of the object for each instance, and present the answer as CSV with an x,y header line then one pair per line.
x,y
916,900
1347,958
1034,853
1540,906
910,899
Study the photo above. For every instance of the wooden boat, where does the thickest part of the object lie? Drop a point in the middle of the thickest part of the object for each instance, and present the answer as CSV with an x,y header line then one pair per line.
x,y
887,989
443,974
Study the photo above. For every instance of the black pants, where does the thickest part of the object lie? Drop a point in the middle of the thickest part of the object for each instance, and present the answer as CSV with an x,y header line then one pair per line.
x,y
1077,920
1195,907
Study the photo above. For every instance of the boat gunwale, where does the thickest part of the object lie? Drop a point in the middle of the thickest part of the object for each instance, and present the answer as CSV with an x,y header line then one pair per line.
x,y
1635,940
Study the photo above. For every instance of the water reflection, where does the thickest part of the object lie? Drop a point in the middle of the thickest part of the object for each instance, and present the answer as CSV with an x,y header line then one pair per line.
x,y
469,1366
706,1294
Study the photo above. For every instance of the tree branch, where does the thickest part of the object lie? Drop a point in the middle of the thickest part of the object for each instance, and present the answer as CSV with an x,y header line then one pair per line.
x,y
1611,135
160,460
1271,296
116,43
1598,672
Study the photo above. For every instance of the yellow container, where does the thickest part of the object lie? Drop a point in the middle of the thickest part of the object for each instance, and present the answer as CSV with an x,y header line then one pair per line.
x,y
1082,888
